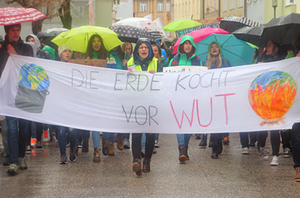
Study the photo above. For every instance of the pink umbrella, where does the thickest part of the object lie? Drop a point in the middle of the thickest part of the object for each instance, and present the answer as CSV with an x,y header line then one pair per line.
x,y
199,35
12,15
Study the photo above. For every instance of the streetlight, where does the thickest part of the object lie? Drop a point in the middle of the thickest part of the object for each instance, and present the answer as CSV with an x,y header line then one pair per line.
x,y
274,4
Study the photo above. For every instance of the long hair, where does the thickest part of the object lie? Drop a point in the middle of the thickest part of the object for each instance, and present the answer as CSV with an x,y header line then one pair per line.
x,y
101,54
159,51
214,60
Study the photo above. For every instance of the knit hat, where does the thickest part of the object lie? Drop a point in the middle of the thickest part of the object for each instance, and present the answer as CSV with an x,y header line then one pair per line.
x,y
216,42
62,48
8,27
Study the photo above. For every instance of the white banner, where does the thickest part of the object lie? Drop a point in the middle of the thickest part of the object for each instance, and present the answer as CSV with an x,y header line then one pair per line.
x,y
246,98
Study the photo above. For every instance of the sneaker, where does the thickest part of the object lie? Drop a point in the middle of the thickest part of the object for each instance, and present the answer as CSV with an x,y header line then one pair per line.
x,y
33,142
63,159
264,153
226,140
198,136
286,153
39,144
46,136
79,146
126,143
245,151
297,176
156,145
28,149
275,161
13,169
23,164
137,167
73,155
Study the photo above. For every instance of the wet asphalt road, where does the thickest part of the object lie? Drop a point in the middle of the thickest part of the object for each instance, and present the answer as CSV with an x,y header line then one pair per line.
x,y
232,175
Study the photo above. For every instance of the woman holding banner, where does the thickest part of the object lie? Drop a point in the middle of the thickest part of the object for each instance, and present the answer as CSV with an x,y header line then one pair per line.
x,y
142,60
214,60
186,57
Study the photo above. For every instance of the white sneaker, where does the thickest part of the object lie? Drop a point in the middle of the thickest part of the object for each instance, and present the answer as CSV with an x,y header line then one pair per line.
x,y
245,151
275,161
264,153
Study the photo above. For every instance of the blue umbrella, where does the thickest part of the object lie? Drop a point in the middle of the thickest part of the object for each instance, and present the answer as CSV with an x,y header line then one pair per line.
x,y
236,51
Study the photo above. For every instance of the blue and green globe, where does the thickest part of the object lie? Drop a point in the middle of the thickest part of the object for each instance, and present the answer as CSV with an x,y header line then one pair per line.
x,y
34,77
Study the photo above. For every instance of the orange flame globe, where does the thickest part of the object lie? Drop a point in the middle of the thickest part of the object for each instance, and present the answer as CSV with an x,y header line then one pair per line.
x,y
271,95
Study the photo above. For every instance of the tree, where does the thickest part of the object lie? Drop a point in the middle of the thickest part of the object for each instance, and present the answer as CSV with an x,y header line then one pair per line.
x,y
48,7
65,14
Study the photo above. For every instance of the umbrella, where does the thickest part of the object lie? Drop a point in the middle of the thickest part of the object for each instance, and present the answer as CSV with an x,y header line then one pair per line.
x,y
131,34
232,23
236,51
50,34
250,34
78,38
283,29
12,15
145,24
198,35
180,24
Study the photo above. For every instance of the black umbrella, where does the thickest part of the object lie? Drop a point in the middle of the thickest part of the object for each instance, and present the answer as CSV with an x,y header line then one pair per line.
x,y
250,34
50,34
232,23
283,29
127,33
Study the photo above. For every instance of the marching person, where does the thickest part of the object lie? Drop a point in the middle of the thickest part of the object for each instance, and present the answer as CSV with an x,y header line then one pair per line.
x,y
18,129
186,56
215,60
143,60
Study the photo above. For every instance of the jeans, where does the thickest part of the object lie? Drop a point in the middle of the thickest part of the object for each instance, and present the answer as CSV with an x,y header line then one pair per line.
x,y
286,138
183,139
295,136
83,134
244,139
4,132
96,139
262,137
62,138
40,128
136,145
17,138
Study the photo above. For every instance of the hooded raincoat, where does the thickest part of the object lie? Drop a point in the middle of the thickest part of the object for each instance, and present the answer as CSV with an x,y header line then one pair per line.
x,y
225,62
182,59
143,65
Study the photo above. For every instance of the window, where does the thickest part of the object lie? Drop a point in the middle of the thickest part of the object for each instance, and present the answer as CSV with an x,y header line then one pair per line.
x,y
225,5
168,6
240,3
290,2
143,6
160,6
232,4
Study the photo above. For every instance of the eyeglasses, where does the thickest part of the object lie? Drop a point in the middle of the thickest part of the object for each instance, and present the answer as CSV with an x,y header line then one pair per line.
x,y
145,47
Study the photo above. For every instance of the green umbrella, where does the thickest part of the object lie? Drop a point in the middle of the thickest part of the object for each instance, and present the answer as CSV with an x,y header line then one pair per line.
x,y
78,38
180,24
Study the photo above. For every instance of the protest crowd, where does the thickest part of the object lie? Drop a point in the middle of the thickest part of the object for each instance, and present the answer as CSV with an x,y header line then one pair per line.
x,y
20,136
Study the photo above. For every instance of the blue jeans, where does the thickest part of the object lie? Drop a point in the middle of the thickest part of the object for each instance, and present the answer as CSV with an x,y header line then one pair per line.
x,y
96,139
17,137
62,138
183,139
